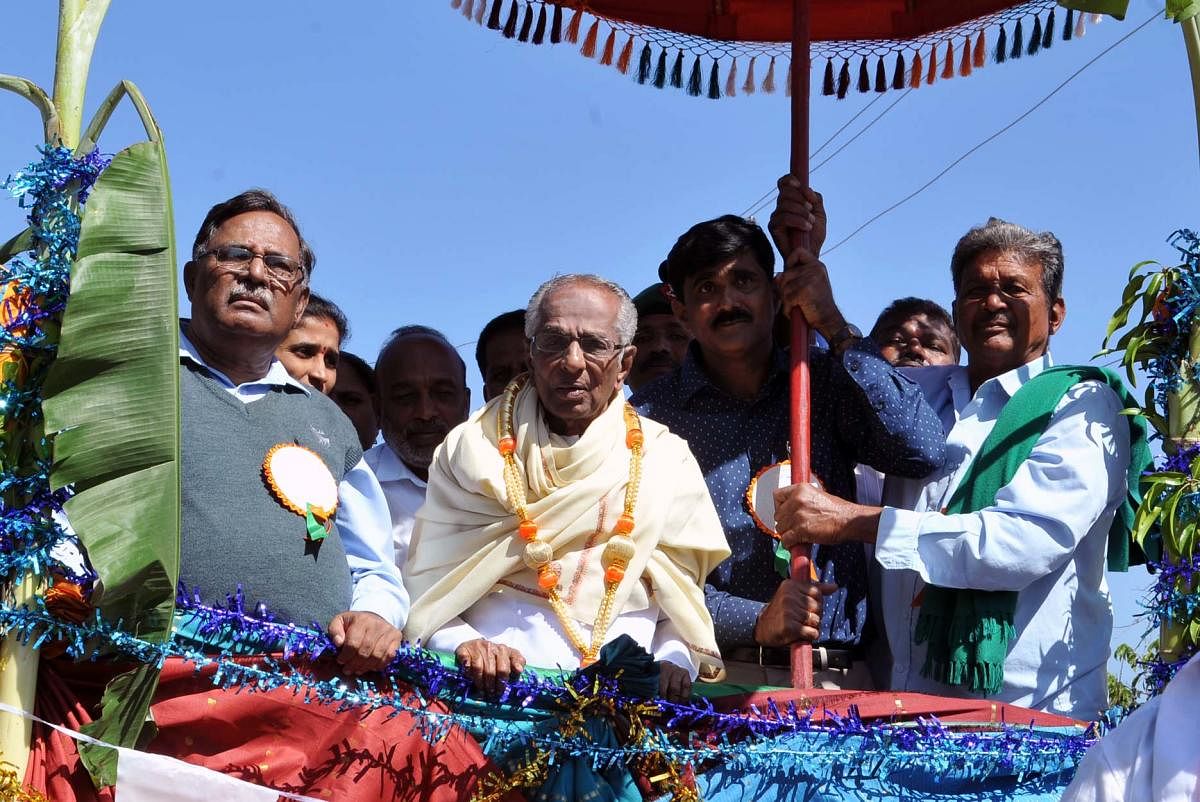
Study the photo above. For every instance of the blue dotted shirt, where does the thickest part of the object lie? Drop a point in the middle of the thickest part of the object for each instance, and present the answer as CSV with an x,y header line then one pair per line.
x,y
863,411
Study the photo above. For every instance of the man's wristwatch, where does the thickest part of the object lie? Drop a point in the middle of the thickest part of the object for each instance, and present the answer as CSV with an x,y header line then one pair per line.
x,y
839,341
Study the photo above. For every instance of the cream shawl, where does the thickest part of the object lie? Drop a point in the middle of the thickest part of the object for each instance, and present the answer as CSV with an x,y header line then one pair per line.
x,y
465,542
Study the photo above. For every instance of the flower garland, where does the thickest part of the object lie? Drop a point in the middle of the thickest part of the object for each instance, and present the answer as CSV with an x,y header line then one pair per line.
x,y
539,555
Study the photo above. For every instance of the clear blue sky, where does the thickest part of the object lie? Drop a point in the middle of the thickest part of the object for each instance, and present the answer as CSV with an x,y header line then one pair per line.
x,y
442,172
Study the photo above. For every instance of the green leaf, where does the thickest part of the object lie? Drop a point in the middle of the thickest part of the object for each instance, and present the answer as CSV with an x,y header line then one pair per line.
x,y
18,244
1114,8
37,96
122,721
112,397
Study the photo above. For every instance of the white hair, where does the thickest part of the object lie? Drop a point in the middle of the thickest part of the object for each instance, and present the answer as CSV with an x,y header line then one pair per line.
x,y
626,314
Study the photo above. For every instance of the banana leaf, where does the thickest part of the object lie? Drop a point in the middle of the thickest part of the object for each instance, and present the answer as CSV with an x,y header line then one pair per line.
x,y
112,398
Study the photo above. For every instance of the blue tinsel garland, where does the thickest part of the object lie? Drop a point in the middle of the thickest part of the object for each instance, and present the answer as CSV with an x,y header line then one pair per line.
x,y
50,189
835,745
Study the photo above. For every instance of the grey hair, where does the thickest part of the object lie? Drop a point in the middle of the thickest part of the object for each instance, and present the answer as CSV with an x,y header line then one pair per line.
x,y
1005,237
626,314
424,332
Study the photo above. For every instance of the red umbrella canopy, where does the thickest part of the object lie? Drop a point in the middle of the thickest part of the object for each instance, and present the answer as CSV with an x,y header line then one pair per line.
x,y
718,48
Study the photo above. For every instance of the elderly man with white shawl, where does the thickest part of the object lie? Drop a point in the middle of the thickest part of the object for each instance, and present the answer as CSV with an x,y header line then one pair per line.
x,y
557,519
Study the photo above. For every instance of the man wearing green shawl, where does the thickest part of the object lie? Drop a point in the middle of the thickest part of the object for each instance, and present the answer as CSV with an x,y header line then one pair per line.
x,y
991,571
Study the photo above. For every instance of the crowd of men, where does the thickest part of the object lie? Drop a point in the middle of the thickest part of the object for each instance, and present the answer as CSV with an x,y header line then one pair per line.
x,y
562,512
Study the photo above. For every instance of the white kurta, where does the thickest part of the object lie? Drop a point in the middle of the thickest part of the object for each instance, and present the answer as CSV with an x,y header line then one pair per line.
x,y
1154,755
465,559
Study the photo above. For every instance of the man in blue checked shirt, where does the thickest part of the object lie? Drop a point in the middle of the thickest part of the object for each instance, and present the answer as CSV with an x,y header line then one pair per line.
x,y
730,401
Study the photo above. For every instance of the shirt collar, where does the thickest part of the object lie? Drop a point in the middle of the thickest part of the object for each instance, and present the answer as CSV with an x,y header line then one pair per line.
x,y
390,468
693,379
1011,381
276,375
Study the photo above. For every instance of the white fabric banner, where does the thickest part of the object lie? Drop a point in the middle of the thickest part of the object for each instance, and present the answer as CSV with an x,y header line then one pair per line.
x,y
142,777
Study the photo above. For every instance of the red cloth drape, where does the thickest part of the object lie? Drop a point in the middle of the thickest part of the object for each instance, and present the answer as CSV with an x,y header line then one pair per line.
x,y
269,738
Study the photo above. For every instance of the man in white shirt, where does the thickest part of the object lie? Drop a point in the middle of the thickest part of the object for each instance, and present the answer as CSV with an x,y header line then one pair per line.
x,y
1039,541
422,388
559,519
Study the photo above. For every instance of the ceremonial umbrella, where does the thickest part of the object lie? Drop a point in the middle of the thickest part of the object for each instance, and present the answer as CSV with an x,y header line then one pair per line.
x,y
900,43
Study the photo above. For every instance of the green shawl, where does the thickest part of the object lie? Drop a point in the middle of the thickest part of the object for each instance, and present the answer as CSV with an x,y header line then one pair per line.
x,y
968,630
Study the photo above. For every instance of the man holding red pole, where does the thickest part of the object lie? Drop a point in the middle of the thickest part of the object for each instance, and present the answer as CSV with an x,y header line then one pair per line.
x,y
730,401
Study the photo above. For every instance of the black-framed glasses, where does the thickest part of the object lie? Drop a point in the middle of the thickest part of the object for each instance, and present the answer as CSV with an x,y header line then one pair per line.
x,y
555,343
282,269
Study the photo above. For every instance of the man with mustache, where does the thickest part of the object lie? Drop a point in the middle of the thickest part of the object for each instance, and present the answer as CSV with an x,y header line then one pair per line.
x,y
248,282
661,340
421,383
730,400
313,347
992,570
915,332
502,352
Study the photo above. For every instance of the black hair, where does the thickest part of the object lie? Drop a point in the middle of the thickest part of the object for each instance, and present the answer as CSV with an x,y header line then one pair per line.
x,y
509,320
904,308
712,242
359,366
252,200
321,307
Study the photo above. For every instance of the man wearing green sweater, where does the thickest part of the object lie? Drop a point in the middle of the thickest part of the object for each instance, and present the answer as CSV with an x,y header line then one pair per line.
x,y
991,571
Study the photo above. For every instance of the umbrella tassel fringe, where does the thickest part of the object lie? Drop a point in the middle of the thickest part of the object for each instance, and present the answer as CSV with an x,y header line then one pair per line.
x,y
787,84
1002,46
843,86
1018,44
731,80
510,24
881,81
751,84
931,76
898,77
1069,25
660,71
644,59
1080,24
980,55
693,84
610,49
827,85
456,4
714,81
539,30
588,50
493,22
480,10
677,71
468,8
626,57
964,66
1035,38
556,26
948,63
1048,37
526,23
768,84
574,25
918,71
864,80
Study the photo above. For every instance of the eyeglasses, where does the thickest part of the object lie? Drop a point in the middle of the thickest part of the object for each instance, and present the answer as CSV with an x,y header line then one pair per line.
x,y
281,269
556,343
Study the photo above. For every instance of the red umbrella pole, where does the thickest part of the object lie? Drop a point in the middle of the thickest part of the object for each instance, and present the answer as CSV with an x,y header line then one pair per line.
x,y
802,675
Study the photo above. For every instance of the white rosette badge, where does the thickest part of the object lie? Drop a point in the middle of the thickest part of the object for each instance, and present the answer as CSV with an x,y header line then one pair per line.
x,y
301,482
